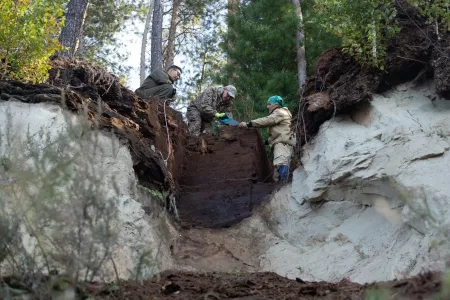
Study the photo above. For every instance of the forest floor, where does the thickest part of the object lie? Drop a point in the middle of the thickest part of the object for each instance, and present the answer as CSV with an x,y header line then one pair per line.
x,y
242,286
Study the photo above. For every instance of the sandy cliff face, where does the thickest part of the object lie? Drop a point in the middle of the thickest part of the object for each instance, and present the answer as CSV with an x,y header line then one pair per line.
x,y
371,200
138,232
369,203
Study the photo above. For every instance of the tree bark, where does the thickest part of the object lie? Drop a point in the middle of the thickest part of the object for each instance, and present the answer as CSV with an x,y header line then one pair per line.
x,y
71,33
233,6
156,48
169,55
148,20
300,43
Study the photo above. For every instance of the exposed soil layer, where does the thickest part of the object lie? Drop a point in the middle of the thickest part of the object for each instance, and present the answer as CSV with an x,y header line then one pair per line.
x,y
249,286
140,124
441,66
340,82
223,178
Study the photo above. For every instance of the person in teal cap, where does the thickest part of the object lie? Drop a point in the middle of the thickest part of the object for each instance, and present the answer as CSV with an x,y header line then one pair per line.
x,y
281,137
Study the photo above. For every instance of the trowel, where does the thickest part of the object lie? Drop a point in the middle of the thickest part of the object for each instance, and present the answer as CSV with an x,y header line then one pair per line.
x,y
228,120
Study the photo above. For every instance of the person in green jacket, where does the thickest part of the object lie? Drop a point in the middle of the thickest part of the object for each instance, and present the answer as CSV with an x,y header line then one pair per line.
x,y
159,84
281,137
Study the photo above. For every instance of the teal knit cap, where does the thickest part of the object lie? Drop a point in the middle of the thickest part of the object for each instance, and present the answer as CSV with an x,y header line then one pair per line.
x,y
277,100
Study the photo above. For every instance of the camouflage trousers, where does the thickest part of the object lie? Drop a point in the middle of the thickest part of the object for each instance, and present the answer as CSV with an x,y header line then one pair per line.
x,y
282,154
195,123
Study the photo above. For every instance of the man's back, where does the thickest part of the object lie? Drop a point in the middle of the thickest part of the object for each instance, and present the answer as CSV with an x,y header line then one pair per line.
x,y
210,100
157,84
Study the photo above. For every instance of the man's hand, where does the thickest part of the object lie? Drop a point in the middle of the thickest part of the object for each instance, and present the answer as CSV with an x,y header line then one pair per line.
x,y
242,125
219,115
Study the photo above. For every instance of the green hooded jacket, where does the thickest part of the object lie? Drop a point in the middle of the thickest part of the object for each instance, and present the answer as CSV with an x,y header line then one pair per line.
x,y
157,84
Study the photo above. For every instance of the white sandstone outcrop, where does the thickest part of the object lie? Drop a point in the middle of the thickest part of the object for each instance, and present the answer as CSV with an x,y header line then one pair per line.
x,y
371,200
369,203
142,238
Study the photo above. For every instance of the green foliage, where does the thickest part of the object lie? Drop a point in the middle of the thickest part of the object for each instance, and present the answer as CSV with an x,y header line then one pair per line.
x,y
199,35
262,48
445,289
28,37
377,293
145,266
364,26
437,11
317,39
105,19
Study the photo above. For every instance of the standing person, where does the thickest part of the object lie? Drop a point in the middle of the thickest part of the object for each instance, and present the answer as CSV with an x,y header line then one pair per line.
x,y
281,137
212,103
160,84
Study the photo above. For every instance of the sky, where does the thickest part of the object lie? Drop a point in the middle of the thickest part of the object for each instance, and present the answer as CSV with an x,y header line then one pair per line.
x,y
132,38
133,47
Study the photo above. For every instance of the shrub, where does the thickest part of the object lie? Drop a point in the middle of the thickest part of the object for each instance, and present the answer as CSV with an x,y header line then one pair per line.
x,y
29,32
54,201
437,12
364,27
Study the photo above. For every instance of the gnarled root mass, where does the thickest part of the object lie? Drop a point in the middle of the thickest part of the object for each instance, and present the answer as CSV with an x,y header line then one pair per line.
x,y
340,82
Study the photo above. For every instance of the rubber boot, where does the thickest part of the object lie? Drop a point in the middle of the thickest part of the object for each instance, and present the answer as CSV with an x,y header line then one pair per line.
x,y
283,171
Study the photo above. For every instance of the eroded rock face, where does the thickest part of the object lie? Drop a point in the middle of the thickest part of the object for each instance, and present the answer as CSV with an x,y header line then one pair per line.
x,y
372,198
113,108
415,53
138,233
139,155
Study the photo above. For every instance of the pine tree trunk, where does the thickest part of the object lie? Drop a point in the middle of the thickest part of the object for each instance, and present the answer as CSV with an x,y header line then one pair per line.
x,y
300,41
202,74
148,20
156,48
71,33
233,6
170,51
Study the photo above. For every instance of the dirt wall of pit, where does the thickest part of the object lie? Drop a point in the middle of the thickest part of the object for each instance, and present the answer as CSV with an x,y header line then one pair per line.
x,y
223,178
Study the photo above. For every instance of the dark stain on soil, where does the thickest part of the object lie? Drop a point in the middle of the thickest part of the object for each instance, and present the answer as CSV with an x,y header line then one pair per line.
x,y
223,178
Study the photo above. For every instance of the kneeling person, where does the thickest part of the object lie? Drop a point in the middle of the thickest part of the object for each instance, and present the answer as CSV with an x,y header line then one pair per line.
x,y
160,84
212,103
281,137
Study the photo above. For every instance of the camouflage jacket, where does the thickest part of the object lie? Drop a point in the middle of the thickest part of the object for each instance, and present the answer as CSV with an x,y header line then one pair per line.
x,y
209,102
279,125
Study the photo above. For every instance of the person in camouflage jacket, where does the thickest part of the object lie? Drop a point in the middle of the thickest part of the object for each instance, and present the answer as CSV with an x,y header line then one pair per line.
x,y
281,136
213,102
159,84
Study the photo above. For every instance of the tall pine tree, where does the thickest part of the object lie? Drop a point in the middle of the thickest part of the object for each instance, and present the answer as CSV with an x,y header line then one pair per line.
x,y
263,35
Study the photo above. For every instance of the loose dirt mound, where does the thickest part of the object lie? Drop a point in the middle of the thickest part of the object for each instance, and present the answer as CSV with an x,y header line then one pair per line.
x,y
214,286
224,177
265,286
341,83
